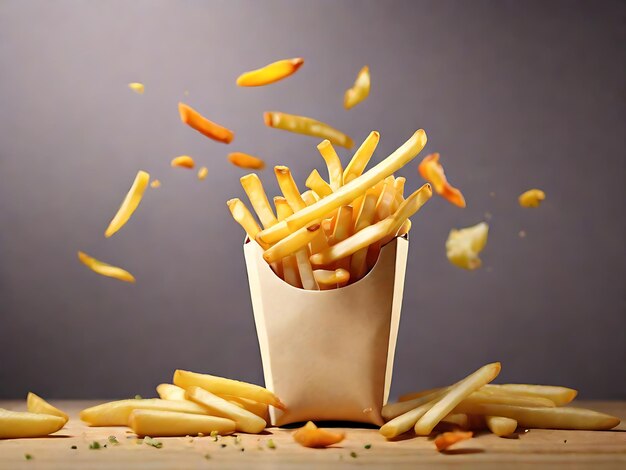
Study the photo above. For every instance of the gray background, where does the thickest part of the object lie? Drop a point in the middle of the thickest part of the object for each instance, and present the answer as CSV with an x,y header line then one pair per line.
x,y
513,94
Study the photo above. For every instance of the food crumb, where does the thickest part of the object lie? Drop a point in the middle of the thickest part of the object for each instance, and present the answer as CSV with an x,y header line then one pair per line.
x,y
367,446
271,444
138,397
152,442
242,449
223,445
565,441
74,447
28,457
353,455
137,87
207,456
113,440
201,434
488,215
202,173
155,184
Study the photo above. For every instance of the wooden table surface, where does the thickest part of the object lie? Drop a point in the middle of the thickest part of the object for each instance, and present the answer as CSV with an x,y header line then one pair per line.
x,y
533,449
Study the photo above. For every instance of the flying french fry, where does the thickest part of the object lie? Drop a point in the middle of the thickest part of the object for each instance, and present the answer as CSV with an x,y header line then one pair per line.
x,y
256,194
361,157
405,421
289,245
137,87
531,198
310,435
210,129
289,188
464,245
317,184
445,440
183,161
105,269
271,73
306,126
500,425
36,404
170,392
202,173
359,91
432,171
171,423
243,160
328,279
154,184
335,171
18,424
129,204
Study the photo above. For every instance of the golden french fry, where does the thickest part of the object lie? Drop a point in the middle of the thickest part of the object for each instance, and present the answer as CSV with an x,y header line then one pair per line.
x,y
319,242
36,404
361,157
455,395
283,209
531,198
405,421
170,392
306,126
17,424
307,278
172,423
386,199
244,217
559,395
406,227
116,413
421,393
256,194
289,245
259,409
183,161
243,160
335,171
398,186
359,91
289,188
464,245
393,410
154,184
445,440
317,184
223,386
455,420
210,129
310,435
137,87
349,191
343,225
309,197
270,73
432,171
328,279
501,426
244,420
105,269
483,396
129,204
290,271
202,173
367,211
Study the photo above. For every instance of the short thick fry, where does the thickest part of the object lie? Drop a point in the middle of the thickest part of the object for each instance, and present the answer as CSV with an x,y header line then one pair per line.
x,y
244,420
359,91
464,245
289,188
210,129
129,204
328,279
223,386
361,157
256,194
531,198
307,126
105,269
316,183
310,435
445,440
170,392
36,404
432,171
183,161
403,422
17,424
500,425
116,413
171,423
291,244
270,73
243,160
333,163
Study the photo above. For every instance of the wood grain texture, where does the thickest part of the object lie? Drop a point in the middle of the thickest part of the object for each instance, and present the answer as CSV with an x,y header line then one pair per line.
x,y
533,449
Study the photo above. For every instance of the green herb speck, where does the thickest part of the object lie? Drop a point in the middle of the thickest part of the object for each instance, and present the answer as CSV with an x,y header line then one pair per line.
x,y
270,444
28,457
207,456
353,455
94,445
368,446
113,440
152,442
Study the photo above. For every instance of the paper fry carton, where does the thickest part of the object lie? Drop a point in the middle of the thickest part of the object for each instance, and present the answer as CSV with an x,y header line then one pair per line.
x,y
329,354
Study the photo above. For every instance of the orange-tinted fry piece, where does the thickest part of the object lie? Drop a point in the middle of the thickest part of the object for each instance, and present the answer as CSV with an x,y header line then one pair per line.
x,y
197,121
446,439
155,184
183,161
243,160
271,73
310,435
307,126
105,269
432,171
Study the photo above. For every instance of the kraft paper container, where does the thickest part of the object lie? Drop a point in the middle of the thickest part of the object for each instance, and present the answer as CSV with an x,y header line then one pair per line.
x,y
329,354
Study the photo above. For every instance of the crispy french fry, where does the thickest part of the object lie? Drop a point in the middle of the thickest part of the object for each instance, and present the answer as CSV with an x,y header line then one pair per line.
x,y
358,262
445,440
456,420
171,423
290,271
359,91
335,171
559,395
393,410
137,87
398,186
500,425
432,171
483,396
386,199
223,386
259,409
464,245
361,158
17,424
341,231
306,126
270,73
455,395
319,242
129,204
421,393
116,413
405,421
183,161
328,279
310,435
307,278
256,194
291,244
531,198
105,269
36,404
283,209
309,198
244,217
202,173
244,420
170,392
349,191
289,188
210,129
243,160
317,184
545,418
406,227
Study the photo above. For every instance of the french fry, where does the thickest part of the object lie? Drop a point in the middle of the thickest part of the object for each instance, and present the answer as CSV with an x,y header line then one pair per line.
x,y
393,410
137,87
256,194
445,440
398,187
531,198
358,262
545,418
349,191
343,225
307,278
359,91
202,173
559,395
432,171
405,421
129,204
361,158
309,198
310,435
283,209
290,271
319,242
501,426
328,279
170,392
455,395
259,409
116,413
105,269
464,245
244,420
17,424
183,161
36,404
171,423
223,386
243,160
210,129
317,184
270,73
289,188
306,126
244,217
406,227
335,171
482,396
289,245
386,199
456,420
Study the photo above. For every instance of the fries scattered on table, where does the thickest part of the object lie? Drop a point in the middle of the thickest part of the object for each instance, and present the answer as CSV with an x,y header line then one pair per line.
x,y
40,420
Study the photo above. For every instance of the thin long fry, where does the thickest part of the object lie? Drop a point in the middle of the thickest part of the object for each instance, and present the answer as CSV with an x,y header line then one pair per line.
x,y
333,163
317,184
270,73
129,204
210,129
170,392
256,194
348,192
291,244
244,160
171,423
456,420
456,395
482,396
259,409
244,217
501,426
105,269
432,171
183,161
445,440
402,423
361,157
36,404
18,424
307,126
290,271
393,410
398,187
359,91
328,279
559,395
116,413
358,264
202,173
289,187
386,199
343,225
